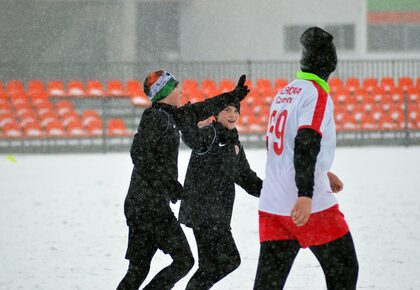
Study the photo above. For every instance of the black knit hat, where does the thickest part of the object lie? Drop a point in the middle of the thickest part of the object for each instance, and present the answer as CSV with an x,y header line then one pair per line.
x,y
319,55
237,105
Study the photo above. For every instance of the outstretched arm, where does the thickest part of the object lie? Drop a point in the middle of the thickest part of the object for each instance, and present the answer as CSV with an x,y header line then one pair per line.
x,y
191,114
198,138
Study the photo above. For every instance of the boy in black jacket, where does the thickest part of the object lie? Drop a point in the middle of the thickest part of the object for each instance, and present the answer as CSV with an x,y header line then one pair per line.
x,y
154,180
217,162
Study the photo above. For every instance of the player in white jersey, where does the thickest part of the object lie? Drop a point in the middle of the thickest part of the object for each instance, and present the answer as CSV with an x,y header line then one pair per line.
x,y
297,208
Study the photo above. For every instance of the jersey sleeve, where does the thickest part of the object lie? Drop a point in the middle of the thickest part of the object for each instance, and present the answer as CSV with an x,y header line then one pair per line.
x,y
312,110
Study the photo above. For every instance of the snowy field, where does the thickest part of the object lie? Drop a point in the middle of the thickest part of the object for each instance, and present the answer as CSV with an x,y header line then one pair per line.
x,y
63,227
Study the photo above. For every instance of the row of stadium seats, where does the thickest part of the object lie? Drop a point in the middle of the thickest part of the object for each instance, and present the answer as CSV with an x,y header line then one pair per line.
x,y
195,89
46,119
31,113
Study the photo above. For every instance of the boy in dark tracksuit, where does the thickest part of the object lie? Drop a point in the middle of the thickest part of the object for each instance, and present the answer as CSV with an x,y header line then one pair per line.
x,y
154,181
217,162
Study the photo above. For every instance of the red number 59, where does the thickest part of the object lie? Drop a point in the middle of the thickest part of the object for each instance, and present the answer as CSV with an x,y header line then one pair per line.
x,y
278,128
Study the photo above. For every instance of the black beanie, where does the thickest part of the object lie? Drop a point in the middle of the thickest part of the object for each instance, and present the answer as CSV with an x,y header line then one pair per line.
x,y
237,105
318,56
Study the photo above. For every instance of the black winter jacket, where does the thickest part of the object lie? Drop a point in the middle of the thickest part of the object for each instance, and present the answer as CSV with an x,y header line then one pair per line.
x,y
213,170
154,153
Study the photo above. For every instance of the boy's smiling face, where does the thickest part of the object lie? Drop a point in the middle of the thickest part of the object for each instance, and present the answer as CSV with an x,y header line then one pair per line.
x,y
228,117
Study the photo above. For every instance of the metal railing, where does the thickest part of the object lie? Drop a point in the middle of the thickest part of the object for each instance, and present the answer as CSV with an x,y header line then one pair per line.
x,y
202,70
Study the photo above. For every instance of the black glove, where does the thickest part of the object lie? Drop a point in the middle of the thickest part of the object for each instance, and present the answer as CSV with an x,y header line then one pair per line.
x,y
240,91
177,191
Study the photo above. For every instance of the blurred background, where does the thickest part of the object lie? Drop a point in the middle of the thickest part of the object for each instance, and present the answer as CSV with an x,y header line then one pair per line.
x,y
72,70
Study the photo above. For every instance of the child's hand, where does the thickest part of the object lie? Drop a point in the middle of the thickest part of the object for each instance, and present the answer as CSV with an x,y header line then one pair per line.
x,y
335,182
241,90
301,211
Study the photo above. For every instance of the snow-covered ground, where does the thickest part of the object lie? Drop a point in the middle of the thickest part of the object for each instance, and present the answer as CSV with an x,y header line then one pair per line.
x,y
62,224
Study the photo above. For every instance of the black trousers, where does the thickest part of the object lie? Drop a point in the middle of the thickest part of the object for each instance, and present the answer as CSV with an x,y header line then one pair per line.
x,y
217,256
143,242
337,258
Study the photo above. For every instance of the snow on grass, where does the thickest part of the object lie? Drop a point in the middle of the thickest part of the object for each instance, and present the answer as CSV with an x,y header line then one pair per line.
x,y
63,227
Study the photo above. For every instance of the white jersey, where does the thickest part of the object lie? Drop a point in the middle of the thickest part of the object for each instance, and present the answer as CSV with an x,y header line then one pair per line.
x,y
303,103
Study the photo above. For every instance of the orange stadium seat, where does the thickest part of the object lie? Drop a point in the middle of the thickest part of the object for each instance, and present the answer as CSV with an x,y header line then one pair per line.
x,y
12,130
44,108
226,85
263,87
114,88
36,88
336,87
28,116
361,97
352,84
370,84
32,129
405,84
55,88
268,100
5,108
134,90
340,97
190,85
55,129
3,99
243,124
413,96
386,122
88,116
70,117
209,88
39,99
48,117
75,88
388,84
413,119
94,88
92,122
19,99
397,115
64,107
418,84
279,84
116,127
349,122
6,118
22,108
14,87
95,128
370,120
75,128
396,96
190,90
378,95
255,125
335,83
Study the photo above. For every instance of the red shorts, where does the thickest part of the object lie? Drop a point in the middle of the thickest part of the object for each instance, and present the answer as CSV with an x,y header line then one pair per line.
x,y
322,227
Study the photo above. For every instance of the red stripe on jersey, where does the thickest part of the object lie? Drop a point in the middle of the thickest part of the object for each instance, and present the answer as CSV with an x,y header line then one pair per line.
x,y
320,107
